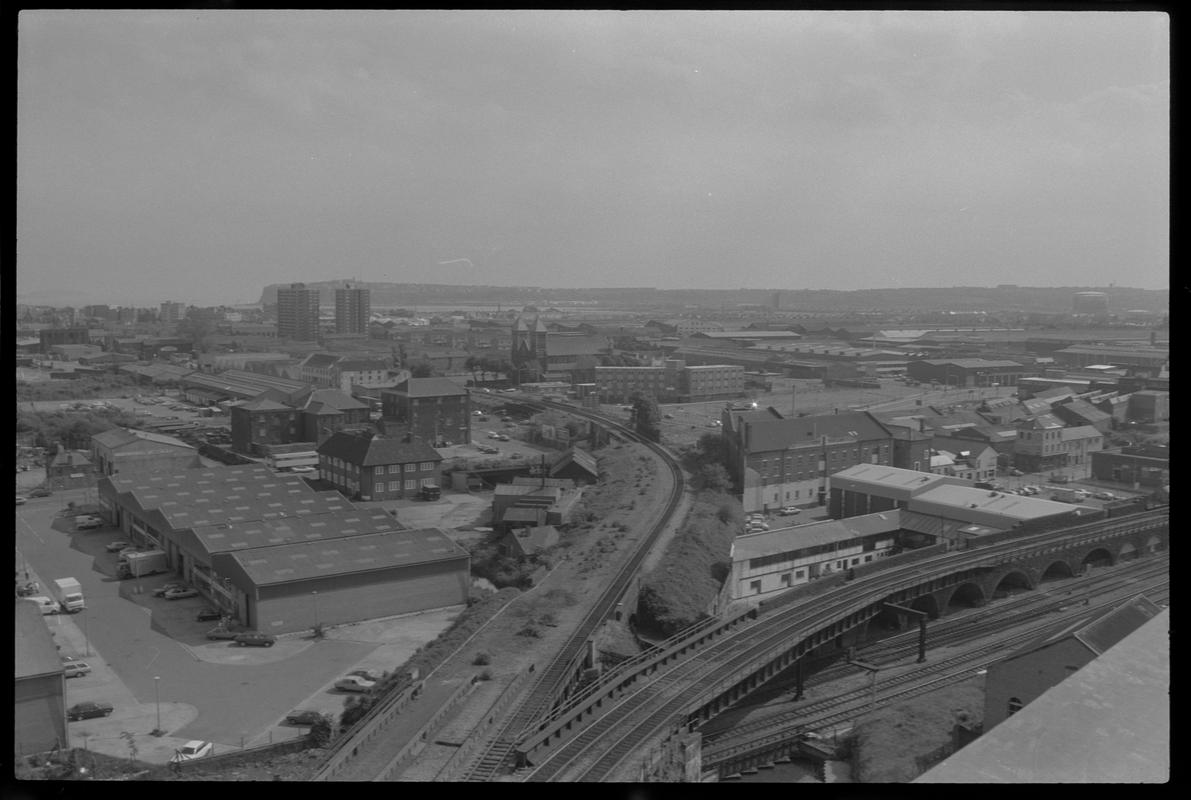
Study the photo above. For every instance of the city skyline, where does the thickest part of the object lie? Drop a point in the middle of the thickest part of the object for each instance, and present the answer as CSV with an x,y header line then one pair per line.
x,y
203,155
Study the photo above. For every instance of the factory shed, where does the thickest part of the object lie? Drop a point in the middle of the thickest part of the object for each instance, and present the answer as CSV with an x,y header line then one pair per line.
x,y
296,586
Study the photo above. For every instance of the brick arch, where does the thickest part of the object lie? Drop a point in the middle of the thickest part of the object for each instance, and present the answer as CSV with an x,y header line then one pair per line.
x,y
968,590
1127,551
1057,569
1015,577
1099,553
927,603
1153,544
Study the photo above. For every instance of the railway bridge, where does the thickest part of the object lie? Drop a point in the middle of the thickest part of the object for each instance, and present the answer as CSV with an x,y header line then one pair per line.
x,y
596,733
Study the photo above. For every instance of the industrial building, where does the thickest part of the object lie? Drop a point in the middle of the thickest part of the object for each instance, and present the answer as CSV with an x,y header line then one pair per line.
x,y
278,556
780,462
770,562
39,685
371,467
672,381
968,372
942,507
122,450
1094,303
435,410
297,313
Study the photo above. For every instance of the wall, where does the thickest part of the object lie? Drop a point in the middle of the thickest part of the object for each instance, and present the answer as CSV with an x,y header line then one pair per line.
x,y
357,596
39,714
1029,675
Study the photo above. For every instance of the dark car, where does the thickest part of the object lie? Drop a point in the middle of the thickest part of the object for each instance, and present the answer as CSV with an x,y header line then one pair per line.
x,y
207,614
255,639
40,493
303,717
88,711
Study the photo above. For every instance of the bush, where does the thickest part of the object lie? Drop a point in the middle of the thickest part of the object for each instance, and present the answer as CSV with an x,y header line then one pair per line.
x,y
486,675
482,659
530,632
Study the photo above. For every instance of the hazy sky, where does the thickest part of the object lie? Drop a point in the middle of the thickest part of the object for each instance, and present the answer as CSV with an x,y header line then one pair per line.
x,y
199,155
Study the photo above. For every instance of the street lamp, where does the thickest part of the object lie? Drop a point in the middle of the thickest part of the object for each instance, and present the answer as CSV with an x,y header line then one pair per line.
x,y
314,595
87,632
157,699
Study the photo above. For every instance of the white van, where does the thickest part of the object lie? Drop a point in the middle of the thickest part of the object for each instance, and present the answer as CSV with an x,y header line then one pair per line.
x,y
48,605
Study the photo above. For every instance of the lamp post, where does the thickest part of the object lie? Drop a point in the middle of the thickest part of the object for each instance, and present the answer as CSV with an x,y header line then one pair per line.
x,y
314,595
157,699
87,632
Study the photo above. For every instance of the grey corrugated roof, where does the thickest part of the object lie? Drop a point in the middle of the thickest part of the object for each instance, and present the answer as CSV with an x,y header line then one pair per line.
x,y
364,553
429,387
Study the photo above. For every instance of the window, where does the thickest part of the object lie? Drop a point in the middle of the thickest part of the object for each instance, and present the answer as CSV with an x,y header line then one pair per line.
x,y
394,468
867,559
411,467
1015,705
755,587
427,481
786,579
394,486
427,466
799,573
378,471
412,484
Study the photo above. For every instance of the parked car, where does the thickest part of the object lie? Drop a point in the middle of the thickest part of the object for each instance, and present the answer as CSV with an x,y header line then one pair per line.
x,y
20,500
255,639
207,614
1030,490
365,674
89,710
1015,472
790,511
1105,496
195,748
117,545
76,669
757,516
353,683
303,717
165,587
180,592
500,437
40,493
1056,478
87,522
221,632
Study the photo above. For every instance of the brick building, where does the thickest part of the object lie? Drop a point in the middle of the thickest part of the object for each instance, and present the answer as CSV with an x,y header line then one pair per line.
x,y
434,410
369,467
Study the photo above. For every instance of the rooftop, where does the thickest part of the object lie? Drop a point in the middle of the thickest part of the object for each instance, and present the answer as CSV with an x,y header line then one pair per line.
x,y
121,437
428,387
363,553
370,451
798,537
265,533
1012,506
1109,722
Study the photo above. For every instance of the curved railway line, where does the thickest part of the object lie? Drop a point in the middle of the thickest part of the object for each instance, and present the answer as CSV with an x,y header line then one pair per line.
x,y
541,696
787,723
600,748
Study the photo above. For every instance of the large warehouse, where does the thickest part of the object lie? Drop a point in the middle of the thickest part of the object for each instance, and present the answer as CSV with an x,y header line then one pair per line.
x,y
278,556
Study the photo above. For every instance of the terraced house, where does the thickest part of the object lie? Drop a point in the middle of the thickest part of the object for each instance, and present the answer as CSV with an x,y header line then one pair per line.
x,y
368,467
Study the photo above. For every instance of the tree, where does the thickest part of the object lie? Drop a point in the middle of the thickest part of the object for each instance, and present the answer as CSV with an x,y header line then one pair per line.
x,y
198,325
421,369
470,365
713,478
647,420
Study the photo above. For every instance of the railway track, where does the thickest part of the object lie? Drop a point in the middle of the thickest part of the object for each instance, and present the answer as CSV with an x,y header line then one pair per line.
x,y
956,630
540,697
629,724
787,723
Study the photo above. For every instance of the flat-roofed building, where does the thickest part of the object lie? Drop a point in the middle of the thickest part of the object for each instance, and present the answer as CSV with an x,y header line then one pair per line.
x,y
435,410
353,309
130,450
765,564
297,313
1040,445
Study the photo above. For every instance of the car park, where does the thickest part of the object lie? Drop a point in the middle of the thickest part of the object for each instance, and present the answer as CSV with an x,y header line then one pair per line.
x,y
179,593
303,717
353,683
195,748
207,614
76,669
113,547
255,639
89,710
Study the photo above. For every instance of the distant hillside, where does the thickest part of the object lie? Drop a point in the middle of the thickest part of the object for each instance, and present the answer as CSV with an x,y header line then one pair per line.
x,y
956,298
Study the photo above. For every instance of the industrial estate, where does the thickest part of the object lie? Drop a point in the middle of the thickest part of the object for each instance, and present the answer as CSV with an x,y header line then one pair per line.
x,y
364,531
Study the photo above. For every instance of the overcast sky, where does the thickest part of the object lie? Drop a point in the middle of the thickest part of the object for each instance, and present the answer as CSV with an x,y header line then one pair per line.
x,y
199,155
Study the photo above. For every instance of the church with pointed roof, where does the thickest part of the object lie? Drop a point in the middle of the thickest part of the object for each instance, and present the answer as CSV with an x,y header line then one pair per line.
x,y
539,354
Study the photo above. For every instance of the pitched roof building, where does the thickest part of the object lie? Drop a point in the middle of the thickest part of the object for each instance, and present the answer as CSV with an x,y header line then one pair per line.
x,y
371,467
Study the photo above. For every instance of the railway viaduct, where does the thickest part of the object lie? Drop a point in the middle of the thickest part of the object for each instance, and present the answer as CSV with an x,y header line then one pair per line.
x,y
738,662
